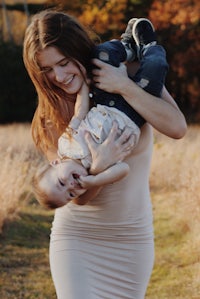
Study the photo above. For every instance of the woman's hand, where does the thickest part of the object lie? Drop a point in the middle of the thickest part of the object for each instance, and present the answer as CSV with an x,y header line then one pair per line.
x,y
108,77
111,151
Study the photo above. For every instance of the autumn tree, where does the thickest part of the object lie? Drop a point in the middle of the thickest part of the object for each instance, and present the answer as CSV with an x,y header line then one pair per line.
x,y
178,26
104,17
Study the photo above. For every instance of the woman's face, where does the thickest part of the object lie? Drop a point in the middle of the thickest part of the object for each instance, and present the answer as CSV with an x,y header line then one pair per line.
x,y
61,71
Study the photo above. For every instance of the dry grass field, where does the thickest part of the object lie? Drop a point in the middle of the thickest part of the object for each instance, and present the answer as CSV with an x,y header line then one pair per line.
x,y
25,226
18,160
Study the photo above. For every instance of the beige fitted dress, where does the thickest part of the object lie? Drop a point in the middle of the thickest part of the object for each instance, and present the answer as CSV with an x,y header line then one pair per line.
x,y
105,249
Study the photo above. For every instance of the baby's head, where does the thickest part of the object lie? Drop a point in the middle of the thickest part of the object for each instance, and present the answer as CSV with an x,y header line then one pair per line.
x,y
56,184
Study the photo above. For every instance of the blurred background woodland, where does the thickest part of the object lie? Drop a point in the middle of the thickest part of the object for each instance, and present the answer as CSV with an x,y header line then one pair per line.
x,y
177,23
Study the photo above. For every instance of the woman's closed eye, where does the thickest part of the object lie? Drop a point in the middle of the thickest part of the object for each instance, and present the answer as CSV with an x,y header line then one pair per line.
x,y
46,70
64,62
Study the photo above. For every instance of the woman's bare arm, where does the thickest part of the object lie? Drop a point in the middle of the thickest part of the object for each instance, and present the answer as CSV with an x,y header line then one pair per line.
x,y
162,113
87,196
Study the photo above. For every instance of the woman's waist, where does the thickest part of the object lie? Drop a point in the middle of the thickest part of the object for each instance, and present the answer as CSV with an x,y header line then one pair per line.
x,y
101,225
111,206
127,233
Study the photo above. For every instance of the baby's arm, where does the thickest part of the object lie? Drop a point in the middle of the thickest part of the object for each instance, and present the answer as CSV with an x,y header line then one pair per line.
x,y
87,196
94,183
81,107
110,175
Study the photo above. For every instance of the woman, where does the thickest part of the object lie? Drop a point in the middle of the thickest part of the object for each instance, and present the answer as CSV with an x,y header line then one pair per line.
x,y
103,249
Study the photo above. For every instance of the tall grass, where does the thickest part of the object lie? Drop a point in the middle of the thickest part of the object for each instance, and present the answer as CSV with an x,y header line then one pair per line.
x,y
175,169
175,187
18,160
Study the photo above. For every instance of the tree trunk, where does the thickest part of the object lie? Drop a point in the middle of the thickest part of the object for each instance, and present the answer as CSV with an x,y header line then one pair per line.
x,y
26,10
7,32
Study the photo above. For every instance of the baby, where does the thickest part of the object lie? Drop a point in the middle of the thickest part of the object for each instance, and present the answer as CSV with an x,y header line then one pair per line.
x,y
58,183
140,39
68,177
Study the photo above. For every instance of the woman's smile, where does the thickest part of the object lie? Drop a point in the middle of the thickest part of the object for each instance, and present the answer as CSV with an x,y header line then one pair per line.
x,y
60,71
69,80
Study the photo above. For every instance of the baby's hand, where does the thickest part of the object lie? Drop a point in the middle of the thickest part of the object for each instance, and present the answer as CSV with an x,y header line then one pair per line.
x,y
87,182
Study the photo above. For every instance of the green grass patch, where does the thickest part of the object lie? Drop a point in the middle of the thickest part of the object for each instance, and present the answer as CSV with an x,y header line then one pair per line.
x,y
24,261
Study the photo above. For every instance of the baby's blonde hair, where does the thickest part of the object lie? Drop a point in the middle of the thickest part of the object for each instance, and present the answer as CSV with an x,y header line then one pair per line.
x,y
41,195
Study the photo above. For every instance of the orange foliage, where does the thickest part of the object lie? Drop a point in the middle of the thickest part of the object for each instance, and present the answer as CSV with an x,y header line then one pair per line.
x,y
177,22
104,17
175,12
